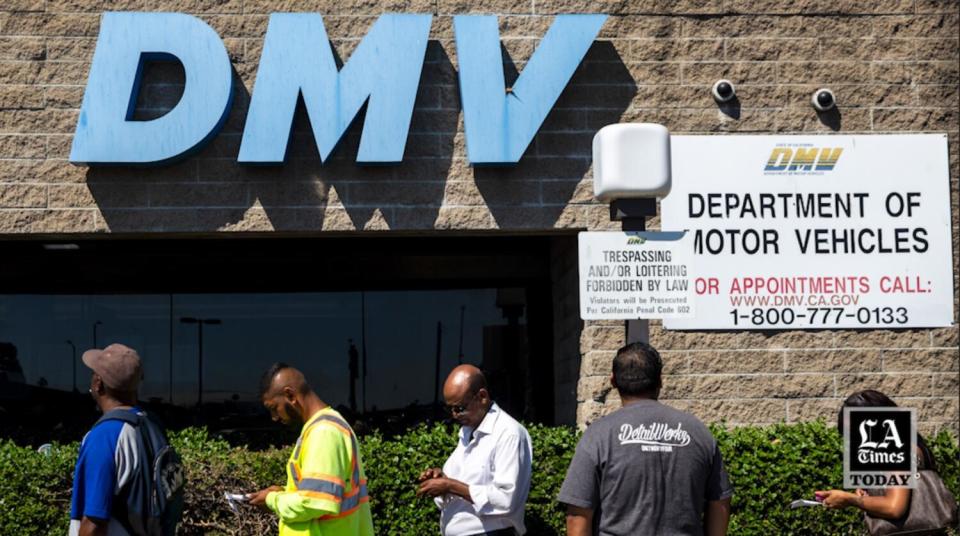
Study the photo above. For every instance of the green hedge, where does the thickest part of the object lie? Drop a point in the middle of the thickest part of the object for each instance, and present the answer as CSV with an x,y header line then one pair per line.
x,y
769,466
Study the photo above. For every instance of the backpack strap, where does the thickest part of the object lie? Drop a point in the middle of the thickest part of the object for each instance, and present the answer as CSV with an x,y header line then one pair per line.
x,y
120,508
124,415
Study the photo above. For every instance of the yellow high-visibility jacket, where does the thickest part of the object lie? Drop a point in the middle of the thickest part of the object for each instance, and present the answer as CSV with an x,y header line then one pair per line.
x,y
326,491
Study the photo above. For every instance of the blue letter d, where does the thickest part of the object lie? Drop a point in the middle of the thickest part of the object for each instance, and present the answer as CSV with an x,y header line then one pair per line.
x,y
106,133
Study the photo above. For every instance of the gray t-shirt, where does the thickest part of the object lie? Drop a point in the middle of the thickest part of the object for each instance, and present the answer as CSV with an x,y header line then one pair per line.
x,y
646,469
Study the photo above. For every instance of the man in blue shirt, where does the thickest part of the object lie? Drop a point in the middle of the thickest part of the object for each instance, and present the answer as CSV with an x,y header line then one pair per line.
x,y
109,455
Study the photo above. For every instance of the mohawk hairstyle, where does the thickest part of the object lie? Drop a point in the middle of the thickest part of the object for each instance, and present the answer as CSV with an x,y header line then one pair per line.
x,y
267,379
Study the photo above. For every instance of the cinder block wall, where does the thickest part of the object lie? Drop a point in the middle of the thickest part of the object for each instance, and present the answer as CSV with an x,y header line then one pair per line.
x,y
893,65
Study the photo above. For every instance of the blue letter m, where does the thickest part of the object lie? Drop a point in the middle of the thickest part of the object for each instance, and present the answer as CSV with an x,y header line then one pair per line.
x,y
383,71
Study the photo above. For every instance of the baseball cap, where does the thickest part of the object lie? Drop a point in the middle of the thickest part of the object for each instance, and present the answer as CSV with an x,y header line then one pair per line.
x,y
118,365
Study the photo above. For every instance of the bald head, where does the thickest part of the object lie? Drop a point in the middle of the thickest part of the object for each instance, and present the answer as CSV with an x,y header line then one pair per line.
x,y
466,390
466,378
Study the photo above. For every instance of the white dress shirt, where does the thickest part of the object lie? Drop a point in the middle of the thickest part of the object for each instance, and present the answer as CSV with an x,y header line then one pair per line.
x,y
495,465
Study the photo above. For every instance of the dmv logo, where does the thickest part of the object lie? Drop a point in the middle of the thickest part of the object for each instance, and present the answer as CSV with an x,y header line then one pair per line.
x,y
803,159
383,73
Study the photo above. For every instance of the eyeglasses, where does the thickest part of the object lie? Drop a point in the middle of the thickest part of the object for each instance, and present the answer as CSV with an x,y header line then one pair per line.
x,y
459,409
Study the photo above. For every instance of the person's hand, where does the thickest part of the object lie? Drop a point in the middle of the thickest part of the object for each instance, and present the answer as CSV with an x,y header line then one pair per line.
x,y
434,487
430,474
259,499
836,498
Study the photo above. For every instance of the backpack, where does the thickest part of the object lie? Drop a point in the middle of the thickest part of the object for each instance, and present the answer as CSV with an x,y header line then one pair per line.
x,y
151,503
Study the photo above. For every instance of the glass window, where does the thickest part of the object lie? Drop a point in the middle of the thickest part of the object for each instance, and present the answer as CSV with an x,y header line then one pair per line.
x,y
408,339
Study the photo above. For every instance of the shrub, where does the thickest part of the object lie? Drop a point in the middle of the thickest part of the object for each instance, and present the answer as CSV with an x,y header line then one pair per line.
x,y
35,489
214,467
769,467
772,466
392,466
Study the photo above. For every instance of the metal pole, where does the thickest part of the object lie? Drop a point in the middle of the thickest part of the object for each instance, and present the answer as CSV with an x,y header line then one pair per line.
x,y
73,363
199,322
436,379
170,367
363,347
637,330
463,308
200,363
353,367
95,324
632,215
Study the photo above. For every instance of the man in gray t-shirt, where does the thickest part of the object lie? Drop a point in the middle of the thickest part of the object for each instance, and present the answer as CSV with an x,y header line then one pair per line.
x,y
646,468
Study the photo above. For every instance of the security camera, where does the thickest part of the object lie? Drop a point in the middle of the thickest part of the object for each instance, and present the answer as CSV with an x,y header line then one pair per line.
x,y
823,100
723,91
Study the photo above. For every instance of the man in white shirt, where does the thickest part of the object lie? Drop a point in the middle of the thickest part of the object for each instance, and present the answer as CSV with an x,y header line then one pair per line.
x,y
483,486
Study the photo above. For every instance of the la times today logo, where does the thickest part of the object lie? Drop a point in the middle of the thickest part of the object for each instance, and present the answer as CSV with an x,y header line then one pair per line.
x,y
879,448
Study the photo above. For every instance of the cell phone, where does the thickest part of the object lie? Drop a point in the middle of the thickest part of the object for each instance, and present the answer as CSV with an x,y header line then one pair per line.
x,y
234,498
800,503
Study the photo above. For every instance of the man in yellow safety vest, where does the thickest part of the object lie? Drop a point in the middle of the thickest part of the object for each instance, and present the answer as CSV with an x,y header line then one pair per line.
x,y
326,491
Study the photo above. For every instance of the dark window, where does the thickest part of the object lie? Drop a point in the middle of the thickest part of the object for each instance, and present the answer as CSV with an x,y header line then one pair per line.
x,y
410,326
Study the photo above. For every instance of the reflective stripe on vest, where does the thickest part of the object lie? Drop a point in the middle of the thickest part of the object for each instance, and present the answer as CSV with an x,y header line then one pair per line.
x,y
321,486
328,484
350,504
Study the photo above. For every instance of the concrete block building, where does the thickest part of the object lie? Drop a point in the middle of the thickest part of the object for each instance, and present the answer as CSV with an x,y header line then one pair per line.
x,y
376,279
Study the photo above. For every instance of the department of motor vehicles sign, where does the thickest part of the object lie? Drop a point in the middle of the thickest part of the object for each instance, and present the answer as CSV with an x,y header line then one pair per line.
x,y
633,275
814,232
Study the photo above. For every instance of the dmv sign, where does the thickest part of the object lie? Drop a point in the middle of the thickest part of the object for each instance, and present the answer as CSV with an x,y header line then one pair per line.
x,y
383,72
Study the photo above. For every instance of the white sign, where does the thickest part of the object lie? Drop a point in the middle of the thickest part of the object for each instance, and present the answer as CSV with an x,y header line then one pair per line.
x,y
633,275
814,232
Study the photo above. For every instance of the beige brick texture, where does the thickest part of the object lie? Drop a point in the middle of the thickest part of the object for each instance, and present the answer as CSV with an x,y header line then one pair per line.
x,y
892,64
